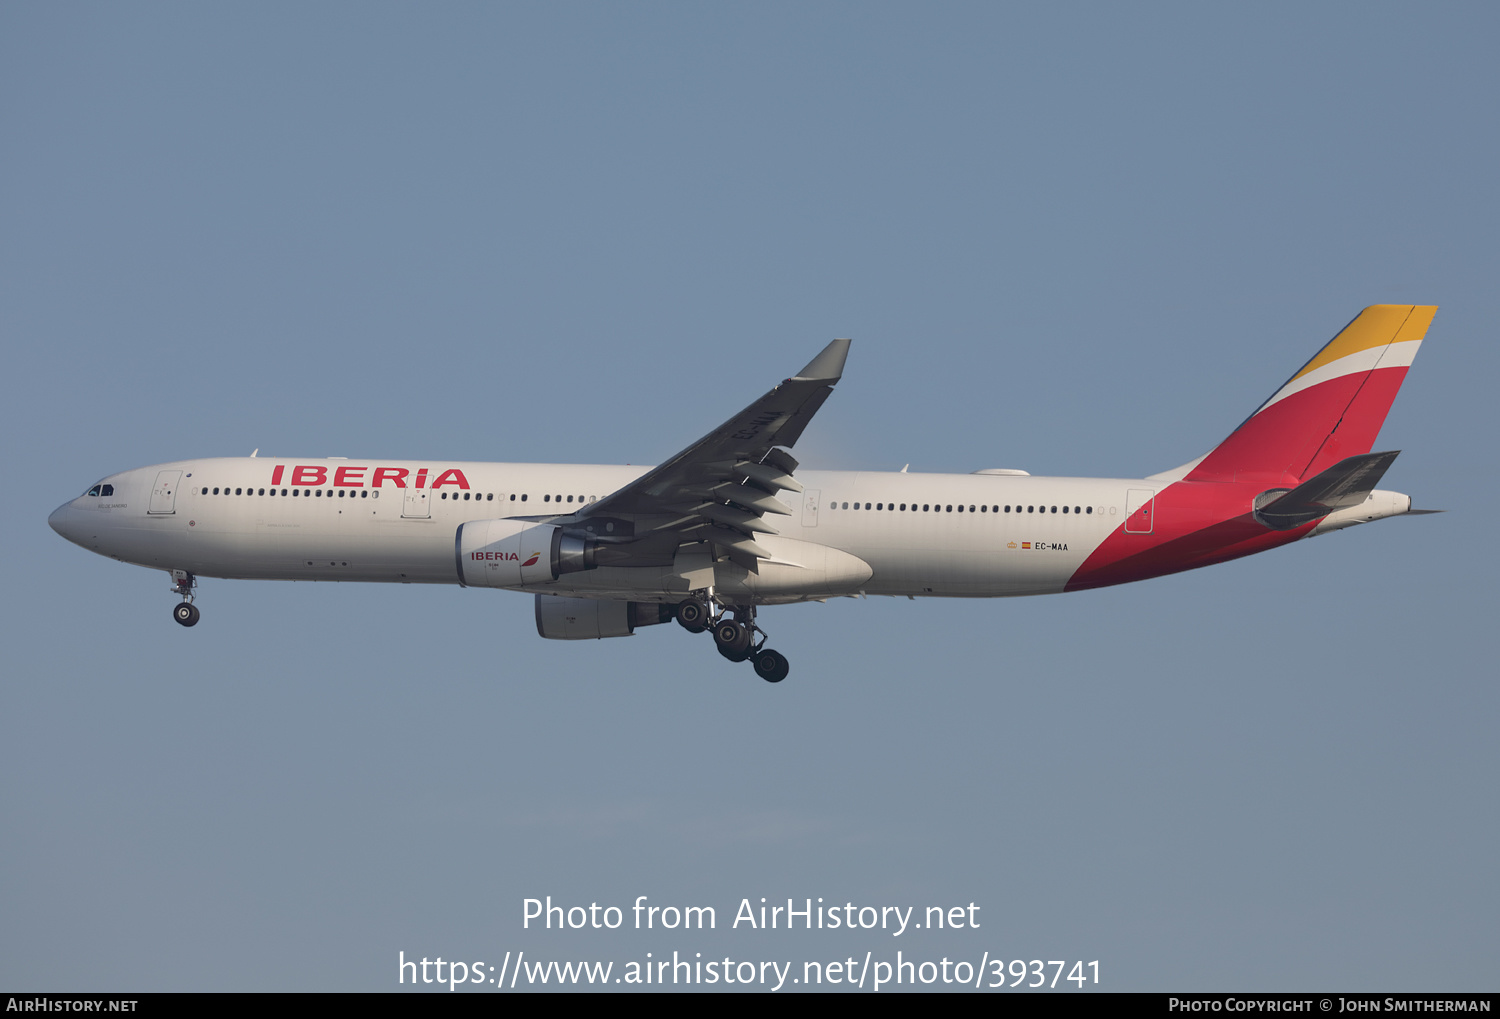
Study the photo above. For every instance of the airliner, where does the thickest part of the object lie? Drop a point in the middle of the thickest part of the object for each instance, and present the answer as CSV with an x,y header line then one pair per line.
x,y
731,524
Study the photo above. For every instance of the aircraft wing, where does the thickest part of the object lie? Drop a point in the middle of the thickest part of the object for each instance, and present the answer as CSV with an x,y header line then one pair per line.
x,y
722,488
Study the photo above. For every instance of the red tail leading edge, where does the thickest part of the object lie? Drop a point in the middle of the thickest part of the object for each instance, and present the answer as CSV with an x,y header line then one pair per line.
x,y
1328,412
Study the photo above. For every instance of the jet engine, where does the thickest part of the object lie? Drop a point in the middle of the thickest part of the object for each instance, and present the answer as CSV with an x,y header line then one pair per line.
x,y
515,553
559,618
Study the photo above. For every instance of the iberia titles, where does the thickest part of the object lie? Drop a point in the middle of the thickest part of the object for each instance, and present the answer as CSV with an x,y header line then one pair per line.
x,y
310,476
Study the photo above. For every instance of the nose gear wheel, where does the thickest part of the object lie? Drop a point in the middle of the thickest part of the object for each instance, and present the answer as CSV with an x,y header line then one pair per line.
x,y
185,612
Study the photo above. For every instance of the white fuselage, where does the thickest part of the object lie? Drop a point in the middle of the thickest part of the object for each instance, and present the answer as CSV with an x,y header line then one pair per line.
x,y
956,535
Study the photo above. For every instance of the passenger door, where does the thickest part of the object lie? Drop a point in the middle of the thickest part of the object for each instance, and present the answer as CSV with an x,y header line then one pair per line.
x,y
164,493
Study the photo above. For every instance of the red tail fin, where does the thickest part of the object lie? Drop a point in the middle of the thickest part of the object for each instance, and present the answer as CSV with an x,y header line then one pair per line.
x,y
1332,409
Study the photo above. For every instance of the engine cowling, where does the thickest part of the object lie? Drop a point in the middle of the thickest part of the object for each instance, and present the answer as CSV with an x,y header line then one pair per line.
x,y
560,618
515,553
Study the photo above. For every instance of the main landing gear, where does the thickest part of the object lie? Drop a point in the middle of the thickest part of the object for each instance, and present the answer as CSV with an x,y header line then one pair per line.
x,y
185,612
735,637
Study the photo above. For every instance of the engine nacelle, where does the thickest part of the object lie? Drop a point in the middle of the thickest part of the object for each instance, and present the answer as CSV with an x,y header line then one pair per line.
x,y
515,553
559,618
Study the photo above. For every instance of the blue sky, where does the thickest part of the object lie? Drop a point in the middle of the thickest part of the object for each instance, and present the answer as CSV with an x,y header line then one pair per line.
x,y
1075,240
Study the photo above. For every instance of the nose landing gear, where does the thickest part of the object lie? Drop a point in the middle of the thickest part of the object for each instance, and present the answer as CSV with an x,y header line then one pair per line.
x,y
735,637
185,612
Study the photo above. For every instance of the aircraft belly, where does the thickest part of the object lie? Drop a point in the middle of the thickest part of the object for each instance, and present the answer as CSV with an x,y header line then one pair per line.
x,y
974,573
269,548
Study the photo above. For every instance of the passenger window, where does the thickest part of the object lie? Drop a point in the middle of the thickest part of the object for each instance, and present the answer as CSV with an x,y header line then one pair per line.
x,y
523,498
1030,509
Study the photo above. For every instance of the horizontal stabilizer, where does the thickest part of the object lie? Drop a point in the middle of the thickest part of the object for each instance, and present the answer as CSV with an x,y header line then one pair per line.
x,y
1346,484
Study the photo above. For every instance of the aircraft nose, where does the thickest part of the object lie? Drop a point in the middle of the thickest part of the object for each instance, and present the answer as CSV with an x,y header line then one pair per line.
x,y
62,522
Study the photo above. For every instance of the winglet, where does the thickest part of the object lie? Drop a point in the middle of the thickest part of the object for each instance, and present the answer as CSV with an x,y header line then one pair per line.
x,y
827,366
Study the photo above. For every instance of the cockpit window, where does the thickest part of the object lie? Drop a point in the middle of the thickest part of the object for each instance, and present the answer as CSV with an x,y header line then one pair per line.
x,y
93,491
101,490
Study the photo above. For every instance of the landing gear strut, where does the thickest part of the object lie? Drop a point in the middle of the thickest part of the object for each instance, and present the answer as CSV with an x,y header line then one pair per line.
x,y
185,612
734,635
